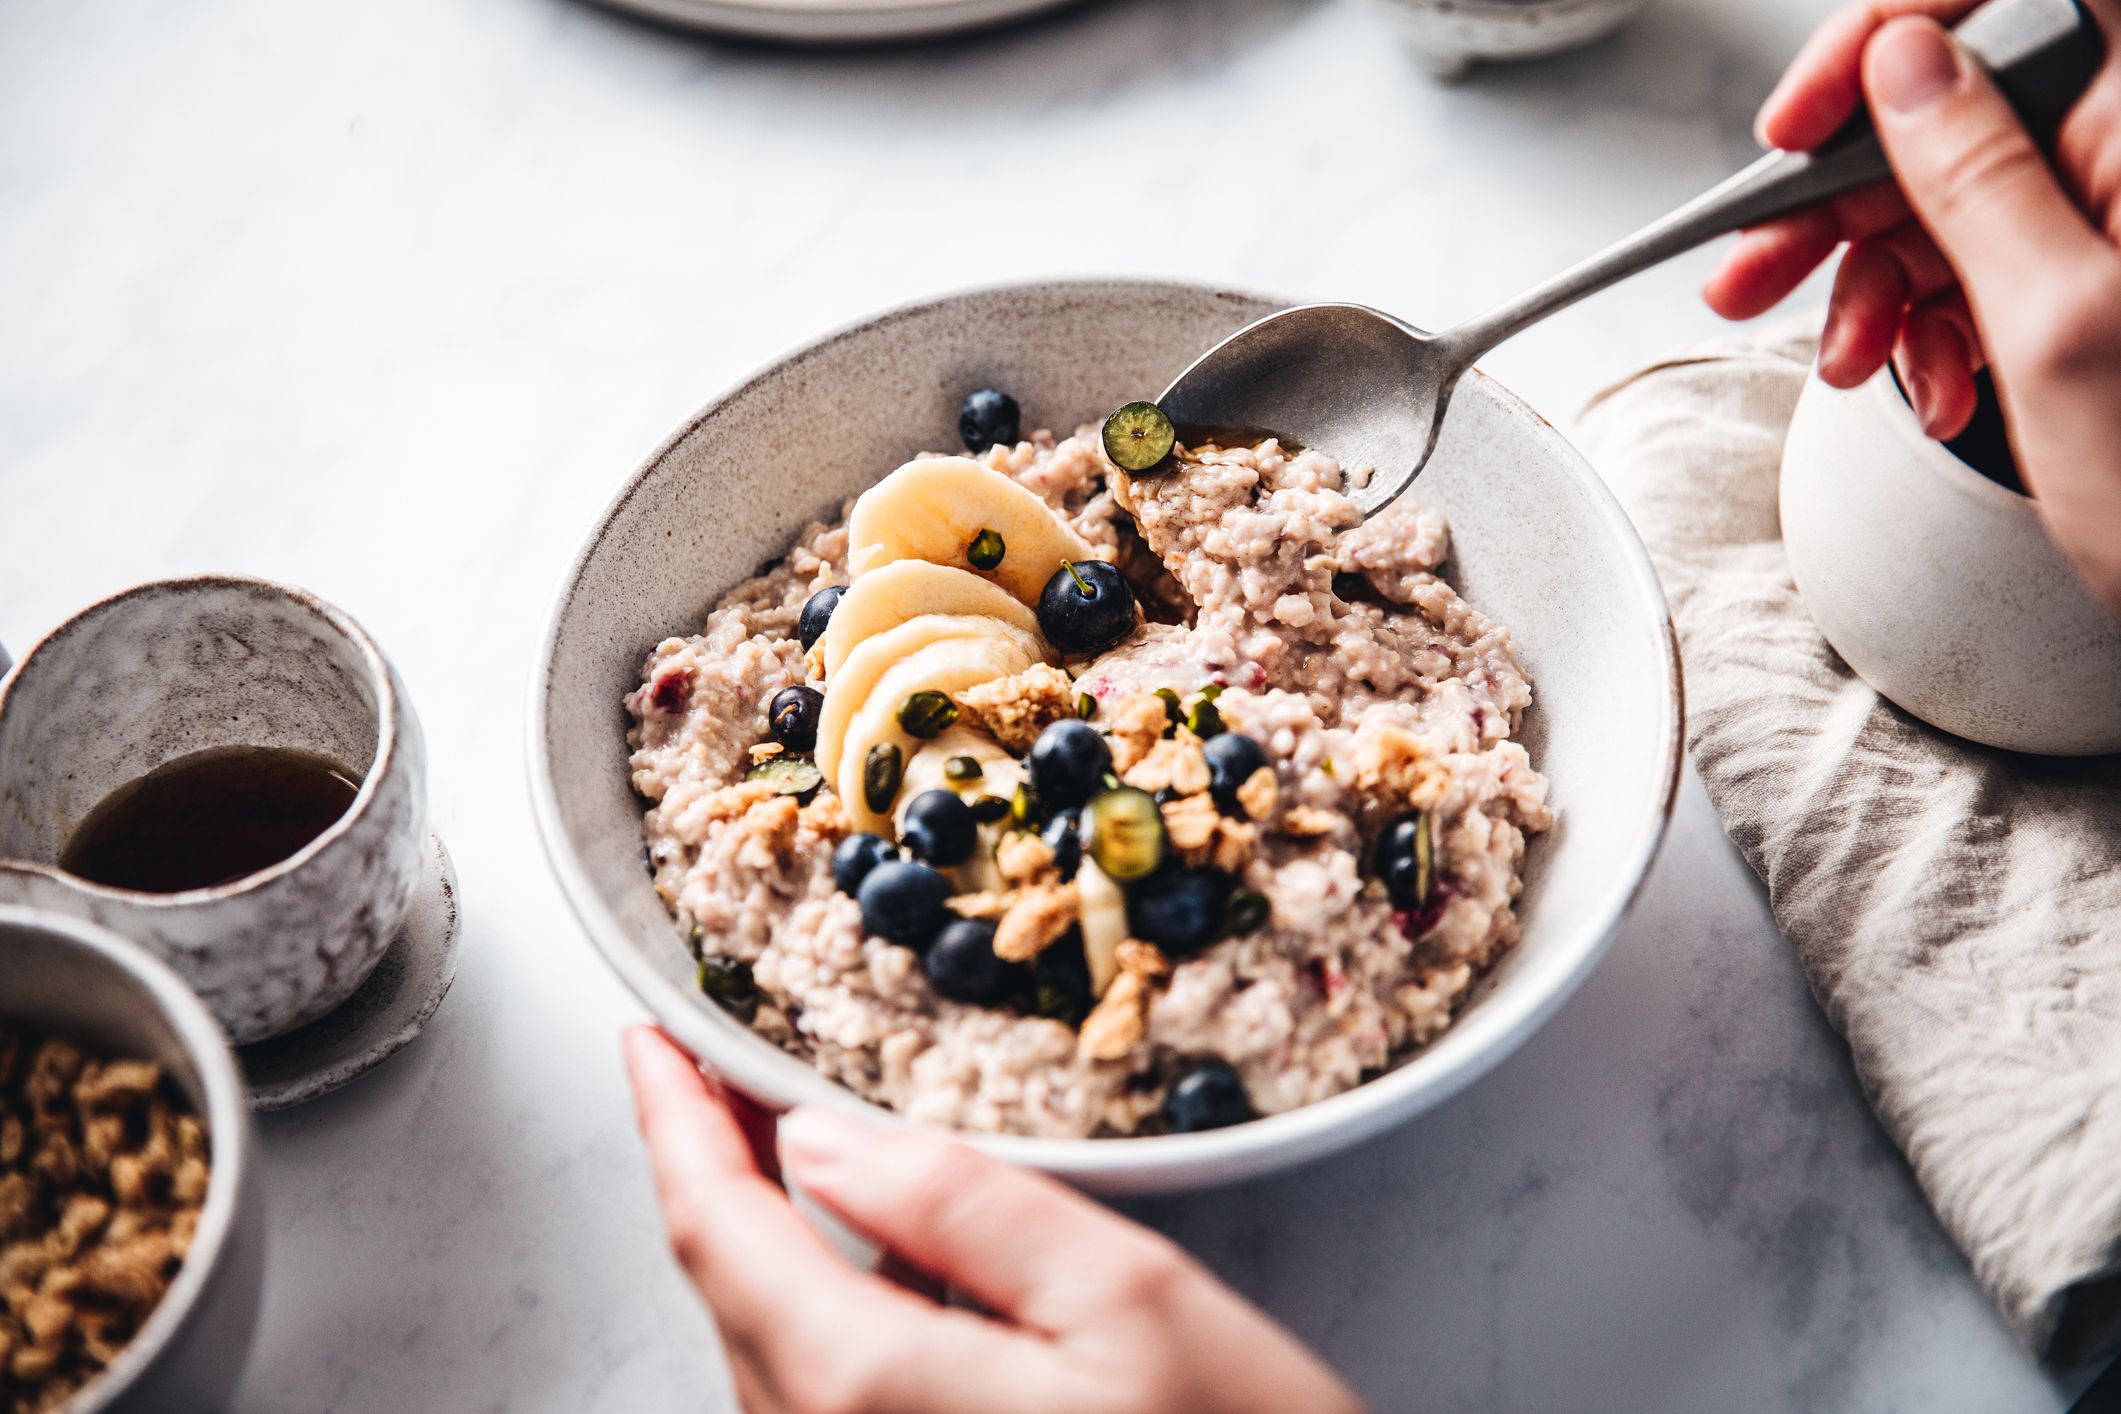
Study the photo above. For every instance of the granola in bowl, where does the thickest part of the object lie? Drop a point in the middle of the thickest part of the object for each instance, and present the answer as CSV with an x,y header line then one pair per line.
x,y
1035,794
103,1175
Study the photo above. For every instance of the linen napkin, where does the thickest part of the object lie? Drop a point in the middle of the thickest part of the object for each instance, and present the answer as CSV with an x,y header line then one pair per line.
x,y
1957,909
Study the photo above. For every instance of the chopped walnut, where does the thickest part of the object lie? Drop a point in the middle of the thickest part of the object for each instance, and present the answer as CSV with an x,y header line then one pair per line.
x,y
1143,959
1036,920
1257,795
770,828
1191,822
1115,1026
1137,725
1024,858
1015,709
102,1177
1307,822
730,802
988,903
1391,763
1236,841
1174,765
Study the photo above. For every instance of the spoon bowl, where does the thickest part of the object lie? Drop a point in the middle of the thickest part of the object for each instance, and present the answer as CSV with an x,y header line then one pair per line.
x,y
1350,380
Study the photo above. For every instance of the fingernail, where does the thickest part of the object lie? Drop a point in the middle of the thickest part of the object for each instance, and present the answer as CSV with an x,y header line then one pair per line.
x,y
1913,64
815,1137
1922,395
1830,342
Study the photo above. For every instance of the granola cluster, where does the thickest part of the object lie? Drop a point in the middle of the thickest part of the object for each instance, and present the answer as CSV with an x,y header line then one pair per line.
x,y
103,1173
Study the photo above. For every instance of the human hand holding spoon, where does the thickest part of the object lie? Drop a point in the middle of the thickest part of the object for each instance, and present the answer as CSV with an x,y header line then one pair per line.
x,y
1372,389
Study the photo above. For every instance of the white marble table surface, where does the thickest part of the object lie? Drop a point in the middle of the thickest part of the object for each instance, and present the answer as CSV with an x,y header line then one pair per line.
x,y
384,298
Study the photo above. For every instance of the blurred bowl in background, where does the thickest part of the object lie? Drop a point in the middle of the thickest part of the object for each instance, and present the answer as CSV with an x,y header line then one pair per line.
x,y
1453,35
835,21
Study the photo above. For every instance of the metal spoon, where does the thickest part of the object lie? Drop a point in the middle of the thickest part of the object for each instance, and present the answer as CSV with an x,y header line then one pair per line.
x,y
1371,389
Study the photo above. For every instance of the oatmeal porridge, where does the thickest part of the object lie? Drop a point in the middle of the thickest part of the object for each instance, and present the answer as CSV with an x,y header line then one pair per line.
x,y
1036,794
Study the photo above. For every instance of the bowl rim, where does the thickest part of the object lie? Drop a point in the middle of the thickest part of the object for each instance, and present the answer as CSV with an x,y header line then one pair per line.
x,y
1474,1044
381,764
228,1128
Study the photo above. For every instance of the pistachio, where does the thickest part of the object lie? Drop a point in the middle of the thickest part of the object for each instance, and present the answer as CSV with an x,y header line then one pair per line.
x,y
882,773
986,550
927,714
1247,910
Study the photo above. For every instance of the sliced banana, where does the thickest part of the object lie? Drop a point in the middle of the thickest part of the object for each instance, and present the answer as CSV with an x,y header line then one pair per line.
x,y
892,593
1104,922
847,690
1000,774
932,508
947,665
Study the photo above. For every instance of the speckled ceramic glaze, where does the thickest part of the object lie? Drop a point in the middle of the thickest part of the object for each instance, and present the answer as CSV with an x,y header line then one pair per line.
x,y
1538,543
186,665
1939,586
383,1015
1453,35
69,978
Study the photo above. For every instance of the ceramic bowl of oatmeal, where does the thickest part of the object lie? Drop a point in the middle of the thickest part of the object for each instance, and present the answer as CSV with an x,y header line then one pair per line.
x,y
929,727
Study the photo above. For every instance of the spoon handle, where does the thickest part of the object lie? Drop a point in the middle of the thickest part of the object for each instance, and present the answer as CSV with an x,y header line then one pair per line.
x,y
2043,54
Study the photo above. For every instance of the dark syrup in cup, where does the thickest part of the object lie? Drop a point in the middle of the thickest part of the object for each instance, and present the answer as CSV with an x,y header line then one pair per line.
x,y
209,818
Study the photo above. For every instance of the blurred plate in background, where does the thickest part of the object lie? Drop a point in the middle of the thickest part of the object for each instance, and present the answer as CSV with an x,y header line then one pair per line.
x,y
836,21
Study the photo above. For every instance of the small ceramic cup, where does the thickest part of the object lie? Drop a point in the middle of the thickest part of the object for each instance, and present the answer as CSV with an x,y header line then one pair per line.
x,y
188,665
1938,585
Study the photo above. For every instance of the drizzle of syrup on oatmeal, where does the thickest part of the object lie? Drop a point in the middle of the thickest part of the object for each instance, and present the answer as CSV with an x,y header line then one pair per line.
x,y
209,818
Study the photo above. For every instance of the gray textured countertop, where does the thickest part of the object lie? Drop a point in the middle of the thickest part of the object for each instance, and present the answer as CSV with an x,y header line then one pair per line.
x,y
385,299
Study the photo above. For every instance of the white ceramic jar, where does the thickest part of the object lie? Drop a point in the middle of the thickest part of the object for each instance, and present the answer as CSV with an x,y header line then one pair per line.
x,y
1938,586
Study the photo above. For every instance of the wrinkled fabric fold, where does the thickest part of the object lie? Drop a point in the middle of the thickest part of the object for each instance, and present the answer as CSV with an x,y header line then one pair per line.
x,y
1957,909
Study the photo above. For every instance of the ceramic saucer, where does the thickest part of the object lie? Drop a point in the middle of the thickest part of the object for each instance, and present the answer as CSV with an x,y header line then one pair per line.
x,y
377,1021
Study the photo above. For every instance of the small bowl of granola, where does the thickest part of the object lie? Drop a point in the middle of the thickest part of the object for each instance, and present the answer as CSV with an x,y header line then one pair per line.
x,y
1112,793
131,1232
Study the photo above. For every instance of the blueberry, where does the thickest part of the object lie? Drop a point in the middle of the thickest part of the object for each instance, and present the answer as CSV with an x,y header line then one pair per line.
x,y
817,612
1061,981
962,965
902,902
1064,836
1209,1095
1406,860
1232,758
792,716
1067,764
856,856
987,417
1179,910
939,829
1086,607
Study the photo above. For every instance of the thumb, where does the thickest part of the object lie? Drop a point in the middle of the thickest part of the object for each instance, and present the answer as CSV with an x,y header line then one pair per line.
x,y
1974,178
1018,1243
